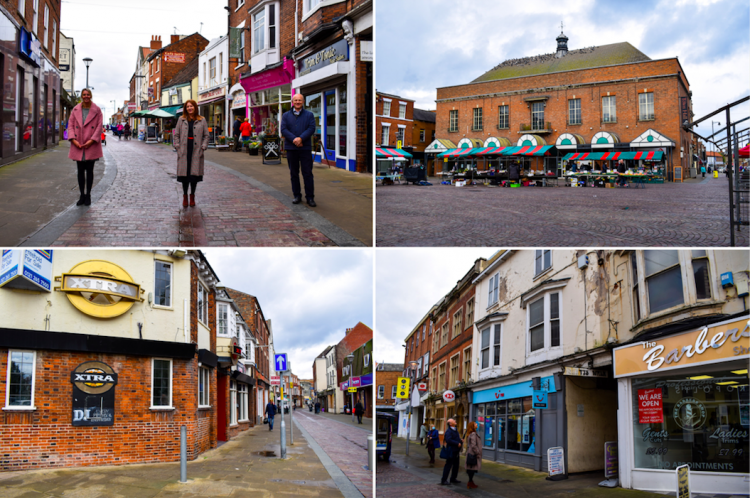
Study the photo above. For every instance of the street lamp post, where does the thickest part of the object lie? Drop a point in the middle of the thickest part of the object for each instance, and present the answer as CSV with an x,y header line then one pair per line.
x,y
87,61
412,368
114,107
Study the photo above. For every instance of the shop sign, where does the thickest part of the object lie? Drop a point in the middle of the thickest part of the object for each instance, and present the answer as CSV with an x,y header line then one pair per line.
x,y
539,399
365,51
29,269
64,62
100,289
683,481
650,410
131,106
611,462
269,78
29,46
339,51
352,389
217,92
556,461
93,394
239,101
520,390
707,345
422,386
173,57
355,382
585,372
449,396
241,367
275,380
684,110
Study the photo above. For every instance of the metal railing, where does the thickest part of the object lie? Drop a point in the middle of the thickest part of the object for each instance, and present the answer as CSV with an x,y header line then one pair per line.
x,y
536,127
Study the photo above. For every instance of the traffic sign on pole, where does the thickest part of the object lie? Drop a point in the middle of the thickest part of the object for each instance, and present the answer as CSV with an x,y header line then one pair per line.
x,y
402,388
281,362
352,389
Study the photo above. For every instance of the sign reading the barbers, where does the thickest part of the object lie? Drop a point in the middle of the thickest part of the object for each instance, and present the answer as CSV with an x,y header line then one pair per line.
x,y
93,394
339,51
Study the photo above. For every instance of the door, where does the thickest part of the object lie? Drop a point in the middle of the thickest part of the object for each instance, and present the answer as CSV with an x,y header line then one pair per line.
x,y
549,431
221,401
329,110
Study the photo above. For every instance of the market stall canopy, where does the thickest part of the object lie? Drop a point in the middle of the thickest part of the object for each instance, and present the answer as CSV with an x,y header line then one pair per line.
x,y
137,114
391,153
159,113
652,155
745,151
530,150
439,145
172,110
490,151
466,151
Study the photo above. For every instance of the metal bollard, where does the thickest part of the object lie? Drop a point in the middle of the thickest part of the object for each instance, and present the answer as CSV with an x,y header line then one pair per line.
x,y
183,453
371,452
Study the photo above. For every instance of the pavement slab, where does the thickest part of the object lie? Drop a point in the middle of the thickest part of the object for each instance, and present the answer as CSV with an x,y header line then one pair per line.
x,y
691,214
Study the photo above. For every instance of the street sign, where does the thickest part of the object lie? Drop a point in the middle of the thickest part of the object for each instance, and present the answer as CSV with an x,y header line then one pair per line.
x,y
585,372
275,380
539,399
398,144
352,389
402,388
449,396
422,386
281,362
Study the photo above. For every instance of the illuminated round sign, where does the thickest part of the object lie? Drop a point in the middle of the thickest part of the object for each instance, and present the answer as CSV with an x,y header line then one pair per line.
x,y
94,377
100,289
449,396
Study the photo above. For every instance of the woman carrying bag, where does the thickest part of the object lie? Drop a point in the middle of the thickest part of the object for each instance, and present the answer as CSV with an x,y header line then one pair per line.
x,y
473,454
190,140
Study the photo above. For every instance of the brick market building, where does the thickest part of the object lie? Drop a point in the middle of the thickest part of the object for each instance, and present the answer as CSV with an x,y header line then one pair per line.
x,y
417,348
354,340
423,133
386,380
31,76
609,98
113,352
165,62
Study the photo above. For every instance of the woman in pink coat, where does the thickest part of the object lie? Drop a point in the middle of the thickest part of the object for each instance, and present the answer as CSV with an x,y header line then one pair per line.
x,y
84,134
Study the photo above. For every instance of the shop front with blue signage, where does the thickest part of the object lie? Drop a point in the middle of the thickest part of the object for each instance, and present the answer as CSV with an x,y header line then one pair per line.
x,y
512,429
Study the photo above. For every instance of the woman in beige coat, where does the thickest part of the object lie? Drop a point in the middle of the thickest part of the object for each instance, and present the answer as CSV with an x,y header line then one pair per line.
x,y
473,447
190,137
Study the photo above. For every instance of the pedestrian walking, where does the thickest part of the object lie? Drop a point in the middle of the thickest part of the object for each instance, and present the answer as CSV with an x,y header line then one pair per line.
x,y
451,452
297,127
270,414
119,131
236,133
621,169
703,171
359,410
246,129
433,442
422,433
190,141
126,130
473,454
317,407
514,171
85,139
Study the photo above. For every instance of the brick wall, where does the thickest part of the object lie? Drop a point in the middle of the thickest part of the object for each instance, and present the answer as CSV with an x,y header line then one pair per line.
x,y
27,22
388,380
429,131
394,120
457,344
191,46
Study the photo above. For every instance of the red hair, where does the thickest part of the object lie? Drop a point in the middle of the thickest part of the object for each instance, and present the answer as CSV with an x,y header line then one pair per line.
x,y
196,116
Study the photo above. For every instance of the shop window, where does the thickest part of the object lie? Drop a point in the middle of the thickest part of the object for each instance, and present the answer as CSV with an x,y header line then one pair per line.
x,y
453,120
520,425
222,319
393,392
381,392
663,279
401,110
314,104
386,108
444,339
470,312
609,111
646,106
477,122
467,364
493,290
20,379
421,135
161,383
342,111
204,381
544,323
537,116
503,117
453,381
700,420
242,395
202,304
574,111
457,323
542,261
701,274
489,425
162,284
441,377
233,402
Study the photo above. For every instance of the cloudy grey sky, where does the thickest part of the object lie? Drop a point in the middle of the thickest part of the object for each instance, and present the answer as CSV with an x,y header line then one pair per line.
x,y
311,296
407,283
110,32
425,44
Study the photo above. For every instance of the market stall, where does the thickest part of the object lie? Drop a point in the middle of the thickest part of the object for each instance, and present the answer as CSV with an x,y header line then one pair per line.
x,y
390,164
600,168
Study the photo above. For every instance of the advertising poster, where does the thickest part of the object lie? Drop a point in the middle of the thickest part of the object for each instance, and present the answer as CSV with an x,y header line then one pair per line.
x,y
29,269
9,264
555,461
611,463
650,406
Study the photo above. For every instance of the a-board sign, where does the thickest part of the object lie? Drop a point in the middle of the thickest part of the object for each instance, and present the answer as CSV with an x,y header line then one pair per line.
x,y
677,174
271,149
611,464
556,461
683,481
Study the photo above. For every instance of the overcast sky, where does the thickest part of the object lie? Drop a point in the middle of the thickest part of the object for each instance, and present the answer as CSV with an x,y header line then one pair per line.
x,y
311,296
407,283
110,32
429,44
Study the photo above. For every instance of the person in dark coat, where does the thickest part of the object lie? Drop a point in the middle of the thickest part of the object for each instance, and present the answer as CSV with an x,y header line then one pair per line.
x,y
514,171
621,169
297,127
473,447
359,410
433,442
270,413
317,407
453,444
236,133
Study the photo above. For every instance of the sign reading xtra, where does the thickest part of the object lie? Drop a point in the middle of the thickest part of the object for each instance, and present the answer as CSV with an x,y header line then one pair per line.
x,y
649,406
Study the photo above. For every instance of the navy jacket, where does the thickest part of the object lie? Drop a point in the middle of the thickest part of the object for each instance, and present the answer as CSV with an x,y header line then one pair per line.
x,y
236,127
271,410
302,126
452,440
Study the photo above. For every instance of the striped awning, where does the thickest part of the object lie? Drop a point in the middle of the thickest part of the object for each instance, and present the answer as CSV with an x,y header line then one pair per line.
x,y
653,155
466,151
532,150
489,151
383,152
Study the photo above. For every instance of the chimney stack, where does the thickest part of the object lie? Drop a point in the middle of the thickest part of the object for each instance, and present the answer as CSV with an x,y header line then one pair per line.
x,y
155,42
174,39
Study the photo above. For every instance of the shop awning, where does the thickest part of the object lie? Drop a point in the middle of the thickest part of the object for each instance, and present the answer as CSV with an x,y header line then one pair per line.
x,y
466,151
652,155
383,152
172,109
489,151
533,150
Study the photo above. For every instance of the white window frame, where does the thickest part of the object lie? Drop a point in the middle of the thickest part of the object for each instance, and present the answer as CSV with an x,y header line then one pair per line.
x,y
243,393
221,66
501,115
387,107
54,39
401,134
171,384
22,7
204,398
212,72
467,361
219,307
46,25
381,391
547,352
457,379
259,30
539,255
393,392
386,135
171,284
233,403
402,110
575,115
645,116
478,120
7,382
202,306
611,109
446,373
453,120
426,364
493,295
35,17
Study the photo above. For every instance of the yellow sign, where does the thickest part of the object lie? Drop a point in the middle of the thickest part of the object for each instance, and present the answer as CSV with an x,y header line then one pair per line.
x,y
100,289
683,481
402,388
707,345
352,389
398,144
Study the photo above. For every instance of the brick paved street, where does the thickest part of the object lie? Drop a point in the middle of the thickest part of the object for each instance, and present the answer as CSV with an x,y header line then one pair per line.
x,y
695,214
346,444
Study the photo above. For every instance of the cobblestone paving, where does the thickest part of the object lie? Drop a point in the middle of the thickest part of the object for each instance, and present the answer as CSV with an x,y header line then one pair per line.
x,y
344,443
143,207
671,214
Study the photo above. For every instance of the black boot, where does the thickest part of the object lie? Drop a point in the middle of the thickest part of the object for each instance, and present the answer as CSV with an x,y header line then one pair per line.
x,y
81,200
87,200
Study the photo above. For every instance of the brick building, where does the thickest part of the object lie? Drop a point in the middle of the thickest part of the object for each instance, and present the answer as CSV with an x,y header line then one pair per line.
x,y
394,120
354,339
114,352
386,379
357,373
423,133
29,65
165,62
609,98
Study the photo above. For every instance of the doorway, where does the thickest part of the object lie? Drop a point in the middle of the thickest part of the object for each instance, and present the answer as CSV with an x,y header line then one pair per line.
x,y
221,401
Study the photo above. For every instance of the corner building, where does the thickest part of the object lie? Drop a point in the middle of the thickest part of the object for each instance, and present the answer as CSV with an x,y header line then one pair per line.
x,y
104,355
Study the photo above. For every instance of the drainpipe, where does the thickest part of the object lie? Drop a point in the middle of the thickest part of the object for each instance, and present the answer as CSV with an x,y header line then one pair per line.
x,y
296,17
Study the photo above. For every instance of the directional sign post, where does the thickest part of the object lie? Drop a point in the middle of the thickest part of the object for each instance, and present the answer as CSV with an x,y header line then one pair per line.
x,y
281,362
402,388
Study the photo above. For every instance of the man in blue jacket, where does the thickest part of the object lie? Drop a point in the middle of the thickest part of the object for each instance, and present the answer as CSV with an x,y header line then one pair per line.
x,y
453,443
270,413
297,127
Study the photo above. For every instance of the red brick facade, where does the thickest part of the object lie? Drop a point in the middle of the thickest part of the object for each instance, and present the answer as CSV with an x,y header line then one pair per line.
x,y
421,129
161,72
27,21
387,379
393,120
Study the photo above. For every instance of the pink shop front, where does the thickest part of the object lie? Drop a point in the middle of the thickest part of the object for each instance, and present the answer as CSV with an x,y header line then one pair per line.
x,y
268,95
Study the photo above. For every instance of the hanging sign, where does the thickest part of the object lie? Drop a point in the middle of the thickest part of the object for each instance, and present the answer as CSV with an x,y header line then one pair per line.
x,y
449,396
539,399
29,269
93,394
